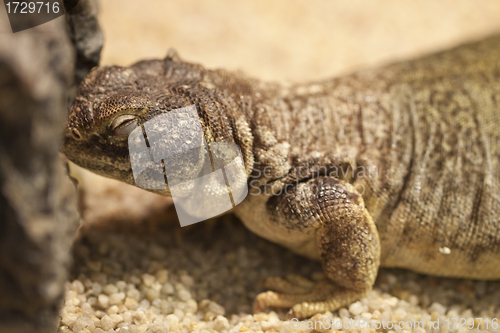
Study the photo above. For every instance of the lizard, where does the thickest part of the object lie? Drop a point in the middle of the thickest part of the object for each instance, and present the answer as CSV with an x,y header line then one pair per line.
x,y
393,166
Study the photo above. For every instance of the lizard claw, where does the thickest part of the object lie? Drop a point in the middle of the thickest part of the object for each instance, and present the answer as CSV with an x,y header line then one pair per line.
x,y
264,300
309,299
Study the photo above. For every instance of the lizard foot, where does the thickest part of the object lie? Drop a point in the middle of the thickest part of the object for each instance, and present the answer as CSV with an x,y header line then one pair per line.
x,y
348,245
304,297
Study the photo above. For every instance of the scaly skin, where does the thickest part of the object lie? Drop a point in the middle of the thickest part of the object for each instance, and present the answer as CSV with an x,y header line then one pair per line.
x,y
397,166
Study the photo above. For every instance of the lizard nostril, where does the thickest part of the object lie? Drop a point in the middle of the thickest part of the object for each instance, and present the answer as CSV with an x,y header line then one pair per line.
x,y
76,134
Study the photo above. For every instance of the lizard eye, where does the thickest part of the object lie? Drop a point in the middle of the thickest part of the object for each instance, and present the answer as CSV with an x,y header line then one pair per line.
x,y
123,125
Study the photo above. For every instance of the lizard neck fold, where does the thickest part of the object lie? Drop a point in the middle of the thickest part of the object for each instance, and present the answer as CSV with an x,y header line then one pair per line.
x,y
353,128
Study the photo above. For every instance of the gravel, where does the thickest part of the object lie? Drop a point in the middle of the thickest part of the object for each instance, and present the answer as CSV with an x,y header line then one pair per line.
x,y
158,277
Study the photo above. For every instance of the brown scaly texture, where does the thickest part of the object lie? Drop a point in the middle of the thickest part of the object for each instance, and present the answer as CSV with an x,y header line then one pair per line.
x,y
397,166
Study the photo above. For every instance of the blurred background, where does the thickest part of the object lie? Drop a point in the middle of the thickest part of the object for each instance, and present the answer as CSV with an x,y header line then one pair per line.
x,y
290,39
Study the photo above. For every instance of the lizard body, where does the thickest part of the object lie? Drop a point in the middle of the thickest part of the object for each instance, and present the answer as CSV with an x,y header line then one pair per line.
x,y
397,166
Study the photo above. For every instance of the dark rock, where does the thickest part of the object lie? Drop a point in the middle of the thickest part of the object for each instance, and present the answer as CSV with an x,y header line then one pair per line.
x,y
85,34
37,200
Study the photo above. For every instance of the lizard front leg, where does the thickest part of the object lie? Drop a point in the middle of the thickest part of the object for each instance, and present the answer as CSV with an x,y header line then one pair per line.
x,y
347,240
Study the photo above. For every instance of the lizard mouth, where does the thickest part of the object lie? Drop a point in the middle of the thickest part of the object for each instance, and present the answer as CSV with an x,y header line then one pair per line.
x,y
107,160
111,162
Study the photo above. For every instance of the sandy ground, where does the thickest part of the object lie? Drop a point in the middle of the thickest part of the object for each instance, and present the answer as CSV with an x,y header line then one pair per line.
x,y
129,235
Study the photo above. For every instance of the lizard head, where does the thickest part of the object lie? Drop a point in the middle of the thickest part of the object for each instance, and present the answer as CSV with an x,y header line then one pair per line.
x,y
113,101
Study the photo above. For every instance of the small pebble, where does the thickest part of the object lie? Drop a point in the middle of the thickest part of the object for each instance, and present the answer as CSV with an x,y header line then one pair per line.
x,y
110,289
148,279
356,308
107,323
77,287
116,298
103,300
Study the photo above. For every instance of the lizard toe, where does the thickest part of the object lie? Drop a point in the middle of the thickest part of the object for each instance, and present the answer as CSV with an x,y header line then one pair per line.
x,y
321,297
291,285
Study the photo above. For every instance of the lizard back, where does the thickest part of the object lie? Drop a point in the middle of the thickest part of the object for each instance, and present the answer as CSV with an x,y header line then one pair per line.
x,y
420,140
